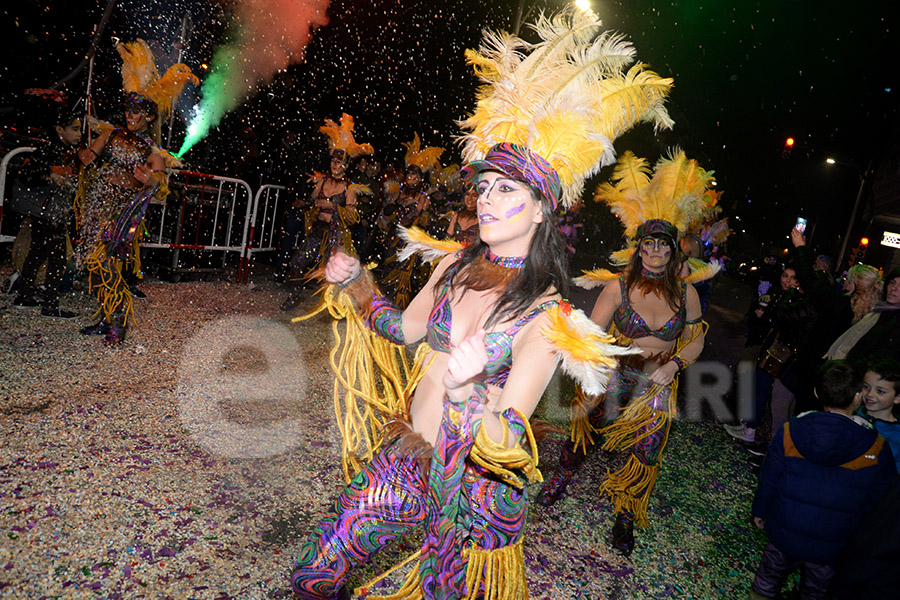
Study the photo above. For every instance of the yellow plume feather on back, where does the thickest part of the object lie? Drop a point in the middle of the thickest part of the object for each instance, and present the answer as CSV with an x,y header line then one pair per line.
x,y
678,191
340,136
424,158
566,97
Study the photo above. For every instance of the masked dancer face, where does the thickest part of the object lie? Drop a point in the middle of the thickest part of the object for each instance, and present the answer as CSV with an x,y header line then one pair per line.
x,y
656,252
136,120
413,178
508,213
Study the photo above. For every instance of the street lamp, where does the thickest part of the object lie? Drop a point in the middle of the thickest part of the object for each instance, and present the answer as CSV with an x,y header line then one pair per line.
x,y
522,14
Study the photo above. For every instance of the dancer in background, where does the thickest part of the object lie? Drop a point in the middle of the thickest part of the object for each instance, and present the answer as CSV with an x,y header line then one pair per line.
x,y
460,448
333,210
657,311
463,225
410,207
127,169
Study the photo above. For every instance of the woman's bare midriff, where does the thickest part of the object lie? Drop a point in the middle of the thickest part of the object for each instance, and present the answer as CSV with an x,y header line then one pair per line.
x,y
469,312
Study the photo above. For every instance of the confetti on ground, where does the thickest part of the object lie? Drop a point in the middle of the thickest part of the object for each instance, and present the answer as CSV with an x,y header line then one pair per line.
x,y
192,461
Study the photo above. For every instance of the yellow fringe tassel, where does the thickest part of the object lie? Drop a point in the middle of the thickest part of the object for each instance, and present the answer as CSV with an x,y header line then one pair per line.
x,y
373,380
490,575
582,432
506,462
629,488
111,290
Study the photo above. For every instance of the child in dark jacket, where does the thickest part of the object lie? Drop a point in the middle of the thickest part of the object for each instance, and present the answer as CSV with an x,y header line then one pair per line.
x,y
822,472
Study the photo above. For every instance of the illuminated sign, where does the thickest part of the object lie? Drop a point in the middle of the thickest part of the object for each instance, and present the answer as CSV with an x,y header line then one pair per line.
x,y
891,239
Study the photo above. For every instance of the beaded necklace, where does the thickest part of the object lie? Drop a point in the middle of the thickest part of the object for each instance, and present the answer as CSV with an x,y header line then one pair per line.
x,y
510,262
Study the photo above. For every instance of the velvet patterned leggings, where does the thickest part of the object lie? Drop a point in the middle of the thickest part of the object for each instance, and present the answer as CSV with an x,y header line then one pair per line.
x,y
386,500
624,384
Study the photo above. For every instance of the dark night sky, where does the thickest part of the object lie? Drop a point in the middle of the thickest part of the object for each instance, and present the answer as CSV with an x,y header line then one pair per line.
x,y
747,74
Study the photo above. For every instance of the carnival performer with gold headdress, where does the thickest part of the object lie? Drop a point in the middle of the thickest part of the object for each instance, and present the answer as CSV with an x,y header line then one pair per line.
x,y
333,209
494,323
126,170
409,207
652,308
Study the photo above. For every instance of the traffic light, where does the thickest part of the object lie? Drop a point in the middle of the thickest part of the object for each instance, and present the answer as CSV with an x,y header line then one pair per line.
x,y
859,253
788,146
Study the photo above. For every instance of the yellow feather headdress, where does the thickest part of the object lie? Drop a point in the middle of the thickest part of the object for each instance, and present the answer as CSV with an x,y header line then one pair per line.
x,y
340,137
565,98
677,191
426,159
139,76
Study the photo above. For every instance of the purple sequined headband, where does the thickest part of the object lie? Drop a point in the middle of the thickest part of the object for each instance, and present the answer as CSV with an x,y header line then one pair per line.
x,y
519,163
655,227
142,103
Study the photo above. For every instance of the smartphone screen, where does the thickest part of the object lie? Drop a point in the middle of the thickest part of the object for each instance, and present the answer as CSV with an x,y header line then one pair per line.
x,y
801,224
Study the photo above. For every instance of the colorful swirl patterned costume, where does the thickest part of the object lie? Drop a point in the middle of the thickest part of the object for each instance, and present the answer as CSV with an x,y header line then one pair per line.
x,y
468,491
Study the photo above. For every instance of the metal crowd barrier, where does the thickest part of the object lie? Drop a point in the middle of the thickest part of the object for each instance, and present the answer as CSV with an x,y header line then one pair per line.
x,y
204,213
208,213
6,236
265,225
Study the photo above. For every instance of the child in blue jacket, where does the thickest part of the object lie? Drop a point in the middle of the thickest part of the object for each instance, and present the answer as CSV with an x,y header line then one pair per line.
x,y
823,470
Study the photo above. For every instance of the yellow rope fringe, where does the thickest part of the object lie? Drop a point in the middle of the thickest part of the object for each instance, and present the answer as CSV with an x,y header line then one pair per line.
x,y
373,380
504,461
111,290
490,575
410,586
629,488
582,432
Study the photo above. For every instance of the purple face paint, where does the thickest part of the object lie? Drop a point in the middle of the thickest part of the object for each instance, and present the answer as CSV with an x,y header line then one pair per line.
x,y
514,211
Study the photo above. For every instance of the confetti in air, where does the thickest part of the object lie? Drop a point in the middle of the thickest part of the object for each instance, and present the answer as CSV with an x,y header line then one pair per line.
x,y
267,36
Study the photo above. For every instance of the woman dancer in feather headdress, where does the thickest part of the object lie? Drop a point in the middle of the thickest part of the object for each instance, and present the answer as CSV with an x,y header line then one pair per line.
x,y
333,210
411,207
494,324
127,171
654,309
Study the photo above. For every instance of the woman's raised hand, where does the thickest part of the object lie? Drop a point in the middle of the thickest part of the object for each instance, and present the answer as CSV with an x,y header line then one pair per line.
x,y
342,268
466,361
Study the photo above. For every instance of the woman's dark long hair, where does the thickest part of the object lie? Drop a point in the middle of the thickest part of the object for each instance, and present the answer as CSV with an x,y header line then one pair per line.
x,y
544,270
671,282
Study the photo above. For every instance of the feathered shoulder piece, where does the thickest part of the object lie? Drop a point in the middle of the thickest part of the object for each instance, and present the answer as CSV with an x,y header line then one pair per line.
x,y
424,158
678,191
587,352
139,75
595,278
360,189
429,248
701,270
340,137
565,98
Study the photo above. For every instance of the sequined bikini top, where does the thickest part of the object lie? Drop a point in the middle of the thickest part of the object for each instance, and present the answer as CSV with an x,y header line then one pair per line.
x,y
633,326
498,344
